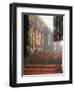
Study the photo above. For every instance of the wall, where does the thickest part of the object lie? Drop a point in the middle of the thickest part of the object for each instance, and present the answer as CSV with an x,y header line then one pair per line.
x,y
4,43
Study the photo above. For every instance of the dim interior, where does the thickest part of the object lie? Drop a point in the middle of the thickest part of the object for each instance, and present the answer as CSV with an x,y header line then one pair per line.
x,y
43,42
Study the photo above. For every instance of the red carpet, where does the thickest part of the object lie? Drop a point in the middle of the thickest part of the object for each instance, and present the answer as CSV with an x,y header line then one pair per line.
x,y
42,69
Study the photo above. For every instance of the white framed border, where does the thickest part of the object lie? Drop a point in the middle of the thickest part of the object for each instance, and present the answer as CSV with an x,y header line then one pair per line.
x,y
43,78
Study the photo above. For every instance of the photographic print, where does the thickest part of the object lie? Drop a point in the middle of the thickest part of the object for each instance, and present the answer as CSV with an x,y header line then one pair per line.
x,y
43,42
40,44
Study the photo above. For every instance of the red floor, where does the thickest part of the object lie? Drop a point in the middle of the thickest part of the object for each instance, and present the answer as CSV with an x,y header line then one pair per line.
x,y
45,69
